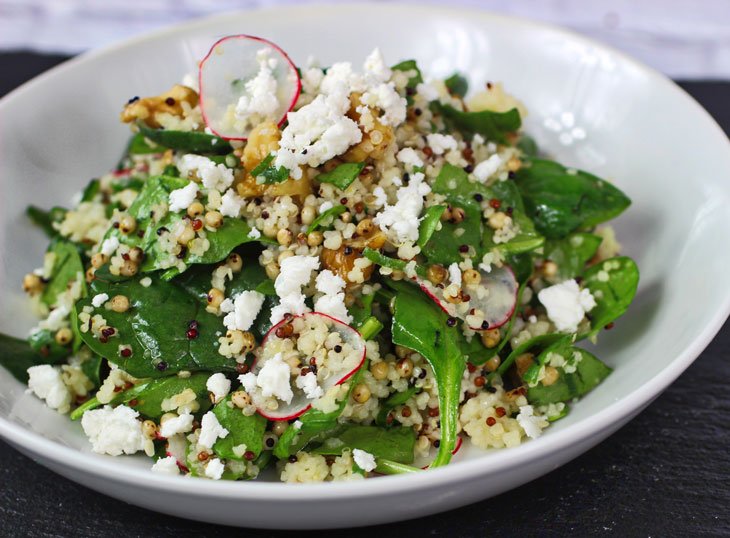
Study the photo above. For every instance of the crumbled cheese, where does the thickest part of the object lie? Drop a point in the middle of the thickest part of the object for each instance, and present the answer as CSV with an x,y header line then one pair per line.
x,y
180,199
254,234
259,103
214,469
311,79
113,430
167,465
375,66
332,302
381,198
46,382
99,299
212,175
294,273
248,382
440,143
211,430
231,204
308,383
218,385
427,91
182,423
409,157
325,206
388,100
298,424
317,132
485,169
273,379
400,221
57,319
364,460
455,275
241,312
109,246
566,304
529,422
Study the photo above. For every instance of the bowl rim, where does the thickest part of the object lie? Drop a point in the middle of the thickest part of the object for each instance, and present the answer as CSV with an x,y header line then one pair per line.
x,y
500,460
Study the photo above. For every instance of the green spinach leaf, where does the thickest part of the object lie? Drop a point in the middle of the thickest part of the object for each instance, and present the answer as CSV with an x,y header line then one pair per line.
x,y
189,141
67,267
46,219
393,401
613,284
17,356
394,444
571,253
493,126
342,176
326,218
242,430
268,174
457,85
43,342
427,227
560,200
588,374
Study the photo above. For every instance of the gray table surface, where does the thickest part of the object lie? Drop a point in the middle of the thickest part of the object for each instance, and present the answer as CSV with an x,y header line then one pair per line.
x,y
667,473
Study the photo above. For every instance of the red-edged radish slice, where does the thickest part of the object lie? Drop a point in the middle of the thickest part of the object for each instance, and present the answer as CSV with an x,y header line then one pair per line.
x,y
334,368
490,304
245,80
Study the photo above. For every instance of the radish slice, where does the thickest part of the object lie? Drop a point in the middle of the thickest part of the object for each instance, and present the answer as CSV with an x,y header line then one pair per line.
x,y
322,346
490,304
244,81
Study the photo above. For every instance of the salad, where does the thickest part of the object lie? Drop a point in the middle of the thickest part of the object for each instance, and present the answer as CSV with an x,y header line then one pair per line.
x,y
327,272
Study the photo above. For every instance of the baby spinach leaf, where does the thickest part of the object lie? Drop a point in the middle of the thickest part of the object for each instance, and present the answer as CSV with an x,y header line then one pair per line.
x,y
533,345
493,126
571,253
457,85
361,309
43,342
326,218
242,430
454,181
92,369
613,284
420,325
431,219
17,356
342,176
67,267
410,65
527,238
588,374
393,401
156,328
188,141
562,346
46,219
138,145
560,200
267,173
394,444
527,145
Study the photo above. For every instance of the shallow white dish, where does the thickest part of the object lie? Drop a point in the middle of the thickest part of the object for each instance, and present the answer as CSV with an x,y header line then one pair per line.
x,y
589,106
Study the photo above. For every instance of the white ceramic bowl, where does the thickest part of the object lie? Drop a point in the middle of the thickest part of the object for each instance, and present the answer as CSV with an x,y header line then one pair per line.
x,y
590,106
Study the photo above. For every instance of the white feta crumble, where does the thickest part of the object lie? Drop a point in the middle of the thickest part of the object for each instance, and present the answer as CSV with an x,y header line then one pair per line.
x,y
308,383
46,382
485,169
529,422
400,221
388,100
566,304
248,382
375,66
113,430
440,143
57,319
455,274
214,469
231,204
311,79
381,198
332,302
166,465
241,312
211,430
273,379
191,81
409,157
260,101
182,423
109,246
212,175
294,273
364,460
427,91
325,206
180,199
218,385
99,299
317,132
298,424
254,234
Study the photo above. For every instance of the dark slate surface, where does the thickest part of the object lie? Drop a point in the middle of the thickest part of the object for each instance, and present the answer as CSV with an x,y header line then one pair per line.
x,y
667,473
